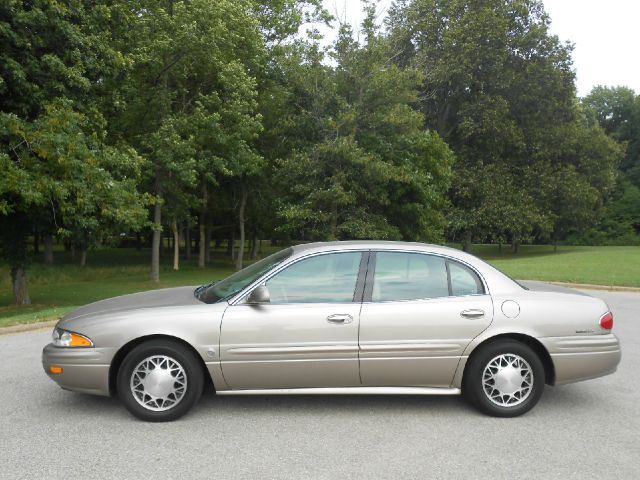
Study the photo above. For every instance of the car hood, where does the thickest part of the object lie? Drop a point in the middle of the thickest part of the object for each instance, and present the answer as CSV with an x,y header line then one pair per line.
x,y
166,297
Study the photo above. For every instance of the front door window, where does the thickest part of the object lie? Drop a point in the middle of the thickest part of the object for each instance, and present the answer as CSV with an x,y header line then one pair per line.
x,y
329,278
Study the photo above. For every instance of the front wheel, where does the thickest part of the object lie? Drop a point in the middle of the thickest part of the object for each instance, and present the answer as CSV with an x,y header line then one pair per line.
x,y
160,380
504,379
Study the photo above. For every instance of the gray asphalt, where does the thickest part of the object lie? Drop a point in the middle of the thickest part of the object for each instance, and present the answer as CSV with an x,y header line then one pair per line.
x,y
581,431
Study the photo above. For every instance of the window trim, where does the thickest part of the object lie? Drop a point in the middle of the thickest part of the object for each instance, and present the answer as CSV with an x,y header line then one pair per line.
x,y
476,278
241,297
372,268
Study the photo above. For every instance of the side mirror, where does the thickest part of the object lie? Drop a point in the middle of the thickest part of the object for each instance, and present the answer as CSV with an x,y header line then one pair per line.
x,y
259,295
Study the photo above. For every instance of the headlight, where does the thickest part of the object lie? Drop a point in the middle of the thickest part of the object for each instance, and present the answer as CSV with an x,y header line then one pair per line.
x,y
62,338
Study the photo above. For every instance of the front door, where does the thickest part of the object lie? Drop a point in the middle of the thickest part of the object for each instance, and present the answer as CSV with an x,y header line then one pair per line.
x,y
419,314
307,336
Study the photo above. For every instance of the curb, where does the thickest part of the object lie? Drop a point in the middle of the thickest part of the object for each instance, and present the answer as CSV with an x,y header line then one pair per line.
x,y
27,327
602,288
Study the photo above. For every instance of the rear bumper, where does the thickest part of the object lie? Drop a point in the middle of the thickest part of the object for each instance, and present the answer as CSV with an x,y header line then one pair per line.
x,y
83,369
579,358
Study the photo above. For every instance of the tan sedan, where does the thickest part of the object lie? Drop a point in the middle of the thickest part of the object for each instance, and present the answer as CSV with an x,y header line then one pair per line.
x,y
362,317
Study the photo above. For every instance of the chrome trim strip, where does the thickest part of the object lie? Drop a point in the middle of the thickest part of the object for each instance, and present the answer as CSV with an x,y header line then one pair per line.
x,y
581,344
411,347
238,298
576,354
587,342
293,350
347,391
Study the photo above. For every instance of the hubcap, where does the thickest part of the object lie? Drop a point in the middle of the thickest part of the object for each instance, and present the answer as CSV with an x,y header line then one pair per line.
x,y
507,380
158,383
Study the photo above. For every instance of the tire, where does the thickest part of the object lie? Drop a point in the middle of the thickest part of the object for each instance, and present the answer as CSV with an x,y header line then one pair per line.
x,y
515,390
169,393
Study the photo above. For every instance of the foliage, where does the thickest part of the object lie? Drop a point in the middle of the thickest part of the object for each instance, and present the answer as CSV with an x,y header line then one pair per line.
x,y
55,156
362,166
499,89
617,110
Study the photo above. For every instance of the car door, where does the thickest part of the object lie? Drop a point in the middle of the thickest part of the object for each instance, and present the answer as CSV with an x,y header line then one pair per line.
x,y
420,311
307,335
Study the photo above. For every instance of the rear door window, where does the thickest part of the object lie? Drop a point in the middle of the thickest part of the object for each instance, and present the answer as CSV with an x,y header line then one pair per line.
x,y
408,276
402,276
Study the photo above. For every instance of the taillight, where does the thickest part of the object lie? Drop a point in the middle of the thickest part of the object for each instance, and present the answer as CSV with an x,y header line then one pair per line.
x,y
606,321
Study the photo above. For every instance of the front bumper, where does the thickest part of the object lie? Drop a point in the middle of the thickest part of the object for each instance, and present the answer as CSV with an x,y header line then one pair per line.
x,y
83,369
579,358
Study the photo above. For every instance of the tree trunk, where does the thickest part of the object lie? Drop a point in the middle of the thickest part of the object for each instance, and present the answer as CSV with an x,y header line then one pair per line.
x,y
500,248
156,241
515,244
187,243
243,205
203,227
20,286
48,249
467,245
232,245
36,243
334,220
203,238
207,243
72,248
176,244
255,247
83,256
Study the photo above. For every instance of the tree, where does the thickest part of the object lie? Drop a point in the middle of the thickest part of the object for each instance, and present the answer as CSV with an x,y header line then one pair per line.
x,y
362,164
617,111
499,88
190,97
56,156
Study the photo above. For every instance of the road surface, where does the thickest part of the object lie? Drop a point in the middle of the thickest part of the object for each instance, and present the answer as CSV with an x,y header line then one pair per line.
x,y
580,431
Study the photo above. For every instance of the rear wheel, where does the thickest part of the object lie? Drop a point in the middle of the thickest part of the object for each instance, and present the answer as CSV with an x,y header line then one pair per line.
x,y
504,379
160,380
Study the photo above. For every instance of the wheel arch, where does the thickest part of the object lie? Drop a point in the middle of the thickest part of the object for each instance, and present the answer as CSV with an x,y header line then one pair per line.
x,y
531,342
128,347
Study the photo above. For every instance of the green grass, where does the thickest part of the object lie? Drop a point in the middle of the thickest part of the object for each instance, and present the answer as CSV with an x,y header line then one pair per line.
x,y
608,266
59,288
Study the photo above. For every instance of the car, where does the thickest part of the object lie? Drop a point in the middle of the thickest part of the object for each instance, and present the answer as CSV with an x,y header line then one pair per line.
x,y
352,317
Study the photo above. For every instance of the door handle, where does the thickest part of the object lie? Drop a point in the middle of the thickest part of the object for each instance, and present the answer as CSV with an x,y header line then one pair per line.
x,y
340,318
472,313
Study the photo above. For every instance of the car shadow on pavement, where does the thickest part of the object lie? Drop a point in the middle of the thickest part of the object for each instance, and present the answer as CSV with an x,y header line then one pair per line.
x,y
352,404
554,399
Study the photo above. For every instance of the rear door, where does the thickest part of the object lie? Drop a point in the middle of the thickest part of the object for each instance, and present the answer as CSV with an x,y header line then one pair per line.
x,y
419,314
307,336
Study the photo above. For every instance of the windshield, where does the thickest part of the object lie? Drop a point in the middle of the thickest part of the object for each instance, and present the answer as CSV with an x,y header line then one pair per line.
x,y
233,284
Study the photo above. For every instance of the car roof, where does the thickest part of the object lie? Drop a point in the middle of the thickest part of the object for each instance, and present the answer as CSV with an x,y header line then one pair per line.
x,y
373,245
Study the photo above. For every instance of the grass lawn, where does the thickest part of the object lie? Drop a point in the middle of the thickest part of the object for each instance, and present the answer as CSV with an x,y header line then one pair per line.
x,y
619,266
59,288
